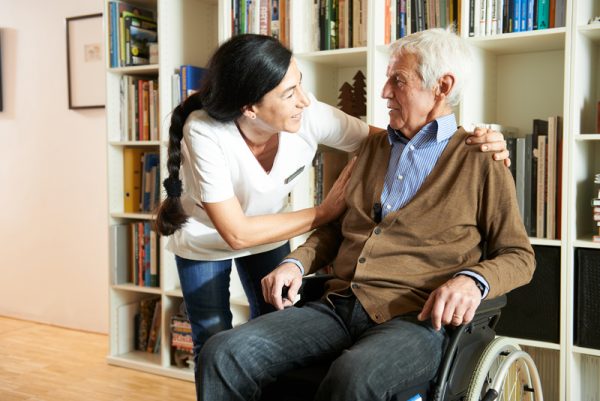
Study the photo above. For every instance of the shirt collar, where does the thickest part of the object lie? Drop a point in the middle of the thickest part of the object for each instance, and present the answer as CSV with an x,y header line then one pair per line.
x,y
440,129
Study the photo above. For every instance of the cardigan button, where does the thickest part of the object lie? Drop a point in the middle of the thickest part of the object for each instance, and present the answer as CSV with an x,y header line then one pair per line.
x,y
377,230
362,260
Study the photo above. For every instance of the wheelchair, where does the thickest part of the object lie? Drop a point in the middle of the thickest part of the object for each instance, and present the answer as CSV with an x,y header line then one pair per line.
x,y
476,365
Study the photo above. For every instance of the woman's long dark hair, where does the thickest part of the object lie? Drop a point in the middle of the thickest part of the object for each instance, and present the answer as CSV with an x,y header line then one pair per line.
x,y
240,73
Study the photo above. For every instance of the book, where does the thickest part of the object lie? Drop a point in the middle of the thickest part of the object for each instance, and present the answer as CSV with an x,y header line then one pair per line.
x,y
191,80
132,179
551,149
146,314
119,253
154,327
543,14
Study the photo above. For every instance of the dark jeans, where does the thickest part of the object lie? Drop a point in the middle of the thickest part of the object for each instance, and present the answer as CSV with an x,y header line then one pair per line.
x,y
373,362
205,288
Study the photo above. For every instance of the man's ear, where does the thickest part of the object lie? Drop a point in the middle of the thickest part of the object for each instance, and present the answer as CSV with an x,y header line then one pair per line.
x,y
445,85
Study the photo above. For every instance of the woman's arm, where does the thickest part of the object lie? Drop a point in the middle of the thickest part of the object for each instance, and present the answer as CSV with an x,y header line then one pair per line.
x,y
241,231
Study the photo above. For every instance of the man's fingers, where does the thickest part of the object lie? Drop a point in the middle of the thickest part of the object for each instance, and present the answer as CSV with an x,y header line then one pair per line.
x,y
426,311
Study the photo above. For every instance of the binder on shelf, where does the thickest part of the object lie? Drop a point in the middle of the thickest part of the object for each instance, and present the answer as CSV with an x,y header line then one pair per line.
x,y
132,179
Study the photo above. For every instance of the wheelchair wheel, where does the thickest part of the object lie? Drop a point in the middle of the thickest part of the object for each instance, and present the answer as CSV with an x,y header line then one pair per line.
x,y
505,372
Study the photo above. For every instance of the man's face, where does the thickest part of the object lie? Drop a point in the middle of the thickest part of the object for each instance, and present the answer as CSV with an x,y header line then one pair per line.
x,y
411,106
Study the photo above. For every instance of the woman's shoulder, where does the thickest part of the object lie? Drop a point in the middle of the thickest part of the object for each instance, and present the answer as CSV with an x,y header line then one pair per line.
x,y
201,124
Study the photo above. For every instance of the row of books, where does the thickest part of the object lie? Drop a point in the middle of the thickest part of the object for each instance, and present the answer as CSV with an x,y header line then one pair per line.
x,y
141,176
139,114
326,167
186,81
266,17
134,254
492,17
403,17
537,170
144,255
596,208
132,33
333,24
138,325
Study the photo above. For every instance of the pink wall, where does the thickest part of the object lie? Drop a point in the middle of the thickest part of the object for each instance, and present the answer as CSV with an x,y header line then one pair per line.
x,y
53,203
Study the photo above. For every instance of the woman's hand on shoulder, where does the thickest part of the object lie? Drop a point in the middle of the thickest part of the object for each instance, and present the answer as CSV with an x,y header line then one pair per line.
x,y
334,203
489,140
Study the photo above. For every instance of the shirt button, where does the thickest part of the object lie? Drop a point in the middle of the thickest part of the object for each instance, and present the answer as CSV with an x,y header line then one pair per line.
x,y
400,177
412,147
361,260
377,231
388,206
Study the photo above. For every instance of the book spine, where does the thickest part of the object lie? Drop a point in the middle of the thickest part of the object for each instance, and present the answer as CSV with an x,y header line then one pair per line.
x,y
543,12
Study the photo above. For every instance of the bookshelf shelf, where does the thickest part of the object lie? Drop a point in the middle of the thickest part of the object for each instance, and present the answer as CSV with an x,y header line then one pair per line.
x,y
136,288
538,344
355,57
587,137
586,242
139,69
544,241
133,216
591,31
517,77
586,351
522,42
134,143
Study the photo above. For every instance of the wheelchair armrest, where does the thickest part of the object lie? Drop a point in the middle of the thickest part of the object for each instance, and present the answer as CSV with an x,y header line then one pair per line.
x,y
313,287
490,305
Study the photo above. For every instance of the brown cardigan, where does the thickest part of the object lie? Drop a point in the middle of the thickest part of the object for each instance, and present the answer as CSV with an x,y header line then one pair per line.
x,y
393,266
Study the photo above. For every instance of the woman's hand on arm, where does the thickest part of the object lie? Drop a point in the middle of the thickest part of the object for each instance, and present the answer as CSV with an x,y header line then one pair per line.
x,y
489,140
241,231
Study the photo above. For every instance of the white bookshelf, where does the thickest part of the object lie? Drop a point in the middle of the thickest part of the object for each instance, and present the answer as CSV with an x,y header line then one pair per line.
x,y
517,77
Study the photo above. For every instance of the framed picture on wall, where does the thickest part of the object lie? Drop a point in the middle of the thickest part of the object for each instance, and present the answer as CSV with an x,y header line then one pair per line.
x,y
85,62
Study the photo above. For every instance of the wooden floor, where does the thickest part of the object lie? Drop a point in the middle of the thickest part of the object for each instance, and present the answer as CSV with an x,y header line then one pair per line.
x,y
45,363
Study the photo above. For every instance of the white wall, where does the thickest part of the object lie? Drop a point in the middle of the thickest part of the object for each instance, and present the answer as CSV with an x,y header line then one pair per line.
x,y
53,202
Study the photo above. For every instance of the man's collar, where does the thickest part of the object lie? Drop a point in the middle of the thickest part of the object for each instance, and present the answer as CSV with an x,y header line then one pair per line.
x,y
442,128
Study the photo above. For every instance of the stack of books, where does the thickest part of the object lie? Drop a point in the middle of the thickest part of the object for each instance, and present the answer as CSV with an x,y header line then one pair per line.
x,y
182,346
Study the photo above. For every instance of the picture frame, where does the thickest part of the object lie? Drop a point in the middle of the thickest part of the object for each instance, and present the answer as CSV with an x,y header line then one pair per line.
x,y
85,62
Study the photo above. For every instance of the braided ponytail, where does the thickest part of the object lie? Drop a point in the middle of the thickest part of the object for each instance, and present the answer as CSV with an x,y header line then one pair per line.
x,y
171,216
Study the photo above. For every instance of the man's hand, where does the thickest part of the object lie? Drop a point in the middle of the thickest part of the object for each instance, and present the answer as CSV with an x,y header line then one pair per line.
x,y
454,303
490,141
286,275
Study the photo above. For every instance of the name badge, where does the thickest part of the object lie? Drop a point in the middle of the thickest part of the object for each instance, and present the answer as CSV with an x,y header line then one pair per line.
x,y
294,175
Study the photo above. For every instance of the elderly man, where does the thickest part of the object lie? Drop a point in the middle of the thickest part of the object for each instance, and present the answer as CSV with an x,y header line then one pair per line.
x,y
407,255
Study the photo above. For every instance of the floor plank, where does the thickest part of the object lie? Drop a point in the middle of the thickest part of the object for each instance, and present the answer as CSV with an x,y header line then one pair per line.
x,y
45,363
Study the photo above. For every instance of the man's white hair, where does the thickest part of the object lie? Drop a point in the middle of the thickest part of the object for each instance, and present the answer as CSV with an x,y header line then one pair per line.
x,y
439,51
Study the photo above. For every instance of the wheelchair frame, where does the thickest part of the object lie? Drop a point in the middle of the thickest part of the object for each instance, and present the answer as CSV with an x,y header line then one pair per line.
x,y
492,375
